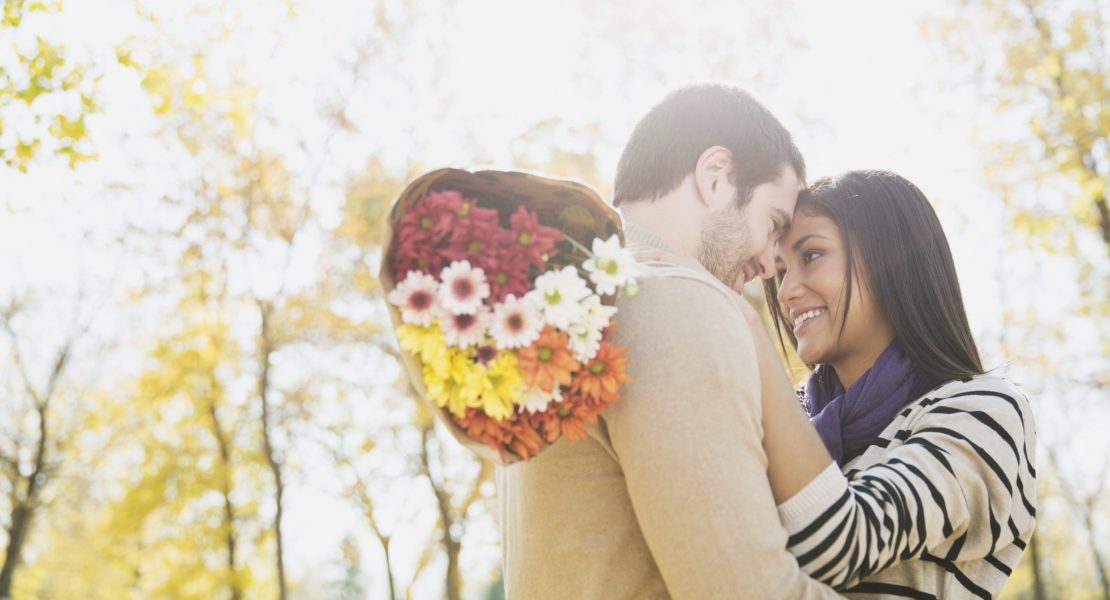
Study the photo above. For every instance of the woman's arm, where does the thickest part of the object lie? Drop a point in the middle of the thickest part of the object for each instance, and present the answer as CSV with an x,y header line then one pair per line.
x,y
961,487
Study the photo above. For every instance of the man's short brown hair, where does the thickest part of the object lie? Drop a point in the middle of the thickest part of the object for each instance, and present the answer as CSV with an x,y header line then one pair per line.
x,y
668,141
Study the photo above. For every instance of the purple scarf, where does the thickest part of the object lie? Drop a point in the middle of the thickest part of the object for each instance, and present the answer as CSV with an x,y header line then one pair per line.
x,y
848,421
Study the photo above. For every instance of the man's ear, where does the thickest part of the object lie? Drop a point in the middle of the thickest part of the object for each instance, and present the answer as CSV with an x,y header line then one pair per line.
x,y
711,175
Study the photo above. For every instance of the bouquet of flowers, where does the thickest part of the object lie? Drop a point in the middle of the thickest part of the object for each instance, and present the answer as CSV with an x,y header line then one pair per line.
x,y
500,286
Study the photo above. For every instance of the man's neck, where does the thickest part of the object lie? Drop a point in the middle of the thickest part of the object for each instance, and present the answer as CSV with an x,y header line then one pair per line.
x,y
655,218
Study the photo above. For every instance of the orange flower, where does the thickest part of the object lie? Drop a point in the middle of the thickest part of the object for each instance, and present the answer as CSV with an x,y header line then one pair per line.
x,y
598,382
548,362
515,435
565,419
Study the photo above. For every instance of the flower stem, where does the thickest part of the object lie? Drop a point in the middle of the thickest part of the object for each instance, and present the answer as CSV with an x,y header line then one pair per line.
x,y
575,243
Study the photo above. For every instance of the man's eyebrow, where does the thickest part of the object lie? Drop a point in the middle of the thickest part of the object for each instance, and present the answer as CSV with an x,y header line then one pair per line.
x,y
798,244
785,218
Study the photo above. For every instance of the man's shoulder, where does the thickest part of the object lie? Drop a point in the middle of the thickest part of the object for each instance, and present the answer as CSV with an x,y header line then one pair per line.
x,y
679,288
685,311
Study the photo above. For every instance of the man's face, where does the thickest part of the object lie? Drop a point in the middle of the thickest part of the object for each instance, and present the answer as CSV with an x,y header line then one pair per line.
x,y
737,243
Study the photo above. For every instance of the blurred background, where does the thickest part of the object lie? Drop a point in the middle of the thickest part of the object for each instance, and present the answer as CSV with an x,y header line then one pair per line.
x,y
198,381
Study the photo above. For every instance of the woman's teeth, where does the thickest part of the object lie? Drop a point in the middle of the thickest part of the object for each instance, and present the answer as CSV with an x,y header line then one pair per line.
x,y
802,318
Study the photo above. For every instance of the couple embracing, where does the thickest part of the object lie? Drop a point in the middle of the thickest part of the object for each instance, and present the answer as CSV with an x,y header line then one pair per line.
x,y
905,470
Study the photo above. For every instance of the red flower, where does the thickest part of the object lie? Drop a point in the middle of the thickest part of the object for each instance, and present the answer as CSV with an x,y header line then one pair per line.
x,y
506,271
532,240
424,232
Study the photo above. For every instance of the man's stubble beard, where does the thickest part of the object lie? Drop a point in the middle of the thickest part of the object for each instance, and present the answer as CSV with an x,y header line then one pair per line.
x,y
725,244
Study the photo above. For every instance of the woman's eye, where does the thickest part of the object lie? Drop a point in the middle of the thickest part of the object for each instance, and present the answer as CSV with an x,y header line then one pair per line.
x,y
810,255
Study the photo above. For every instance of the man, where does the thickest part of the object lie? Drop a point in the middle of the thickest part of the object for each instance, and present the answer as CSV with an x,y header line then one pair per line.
x,y
669,497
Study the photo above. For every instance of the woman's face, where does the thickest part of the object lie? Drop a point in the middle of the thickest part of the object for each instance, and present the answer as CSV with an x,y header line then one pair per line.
x,y
812,262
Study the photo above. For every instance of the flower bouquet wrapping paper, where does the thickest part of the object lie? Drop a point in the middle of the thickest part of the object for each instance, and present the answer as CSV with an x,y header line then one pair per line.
x,y
500,287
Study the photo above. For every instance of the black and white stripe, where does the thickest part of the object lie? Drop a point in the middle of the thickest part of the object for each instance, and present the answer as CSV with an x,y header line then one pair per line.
x,y
942,505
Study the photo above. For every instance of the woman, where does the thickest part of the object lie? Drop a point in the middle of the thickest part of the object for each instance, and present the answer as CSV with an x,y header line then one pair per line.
x,y
929,491
937,495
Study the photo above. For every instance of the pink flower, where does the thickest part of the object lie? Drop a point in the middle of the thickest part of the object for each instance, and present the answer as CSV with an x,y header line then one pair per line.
x,y
416,297
462,288
516,323
465,330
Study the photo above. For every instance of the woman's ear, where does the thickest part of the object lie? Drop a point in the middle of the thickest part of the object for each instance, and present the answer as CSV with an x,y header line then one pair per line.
x,y
711,176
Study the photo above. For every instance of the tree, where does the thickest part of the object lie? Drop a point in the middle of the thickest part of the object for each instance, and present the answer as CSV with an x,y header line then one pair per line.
x,y
1043,67
30,455
46,70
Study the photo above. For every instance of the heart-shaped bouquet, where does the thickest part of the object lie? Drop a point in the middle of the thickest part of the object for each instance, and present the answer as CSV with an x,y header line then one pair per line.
x,y
500,287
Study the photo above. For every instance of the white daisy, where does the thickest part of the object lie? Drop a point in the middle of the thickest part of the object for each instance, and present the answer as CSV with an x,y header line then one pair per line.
x,y
462,288
516,322
558,293
584,342
536,400
611,266
416,297
596,315
465,330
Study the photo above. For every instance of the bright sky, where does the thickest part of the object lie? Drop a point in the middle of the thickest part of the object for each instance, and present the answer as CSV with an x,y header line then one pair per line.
x,y
864,91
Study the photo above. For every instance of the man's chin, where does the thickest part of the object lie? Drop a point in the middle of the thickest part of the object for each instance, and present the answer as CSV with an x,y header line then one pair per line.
x,y
743,277
734,275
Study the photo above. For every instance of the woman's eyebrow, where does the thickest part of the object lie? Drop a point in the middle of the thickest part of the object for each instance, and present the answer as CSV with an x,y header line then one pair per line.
x,y
802,240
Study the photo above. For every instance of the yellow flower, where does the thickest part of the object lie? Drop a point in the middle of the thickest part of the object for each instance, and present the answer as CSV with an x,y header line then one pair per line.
x,y
502,386
453,383
427,343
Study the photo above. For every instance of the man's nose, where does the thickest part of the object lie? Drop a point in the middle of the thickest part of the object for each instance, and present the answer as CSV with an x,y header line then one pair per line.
x,y
765,263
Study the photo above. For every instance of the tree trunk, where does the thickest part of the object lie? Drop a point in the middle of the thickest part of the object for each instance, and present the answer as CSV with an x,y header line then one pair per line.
x,y
1038,575
229,508
17,533
23,510
443,503
1096,555
388,567
454,582
271,458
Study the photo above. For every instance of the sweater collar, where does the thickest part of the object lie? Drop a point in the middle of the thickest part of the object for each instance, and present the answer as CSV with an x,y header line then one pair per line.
x,y
636,235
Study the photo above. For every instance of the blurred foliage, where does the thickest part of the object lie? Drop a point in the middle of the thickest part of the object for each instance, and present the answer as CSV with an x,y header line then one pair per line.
x,y
1044,67
268,367
46,92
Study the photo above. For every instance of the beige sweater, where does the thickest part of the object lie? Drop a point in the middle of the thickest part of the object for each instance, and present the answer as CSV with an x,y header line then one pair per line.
x,y
669,496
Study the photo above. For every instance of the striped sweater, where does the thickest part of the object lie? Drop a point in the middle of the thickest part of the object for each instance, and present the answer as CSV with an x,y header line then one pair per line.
x,y
941,505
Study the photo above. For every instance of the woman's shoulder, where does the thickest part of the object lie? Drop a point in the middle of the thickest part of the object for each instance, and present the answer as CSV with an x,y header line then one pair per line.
x,y
989,382
989,392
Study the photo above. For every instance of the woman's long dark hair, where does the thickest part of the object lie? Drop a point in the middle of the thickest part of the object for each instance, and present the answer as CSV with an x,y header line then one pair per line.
x,y
892,232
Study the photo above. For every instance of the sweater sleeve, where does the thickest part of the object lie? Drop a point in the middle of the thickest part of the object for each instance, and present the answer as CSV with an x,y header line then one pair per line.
x,y
960,487
687,434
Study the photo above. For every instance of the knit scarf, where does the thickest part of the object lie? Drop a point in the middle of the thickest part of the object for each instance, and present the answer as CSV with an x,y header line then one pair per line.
x,y
848,421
